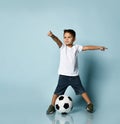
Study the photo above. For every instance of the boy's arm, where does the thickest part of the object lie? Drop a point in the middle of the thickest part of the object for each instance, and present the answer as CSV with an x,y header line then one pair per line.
x,y
102,48
59,43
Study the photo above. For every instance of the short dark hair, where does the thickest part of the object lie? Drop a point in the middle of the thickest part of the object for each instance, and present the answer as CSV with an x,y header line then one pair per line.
x,y
71,31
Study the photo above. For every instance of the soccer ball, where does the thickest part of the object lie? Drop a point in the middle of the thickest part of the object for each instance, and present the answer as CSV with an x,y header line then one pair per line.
x,y
63,104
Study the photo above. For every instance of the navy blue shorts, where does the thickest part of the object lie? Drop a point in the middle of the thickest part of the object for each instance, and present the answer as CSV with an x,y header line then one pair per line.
x,y
65,81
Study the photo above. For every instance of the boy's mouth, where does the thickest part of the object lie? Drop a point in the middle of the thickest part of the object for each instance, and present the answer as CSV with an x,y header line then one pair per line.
x,y
66,41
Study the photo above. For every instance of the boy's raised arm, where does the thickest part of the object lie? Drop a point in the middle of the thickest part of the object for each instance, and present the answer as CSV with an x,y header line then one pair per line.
x,y
59,43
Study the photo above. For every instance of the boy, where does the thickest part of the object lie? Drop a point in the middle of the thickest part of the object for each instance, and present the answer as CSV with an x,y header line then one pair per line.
x,y
68,68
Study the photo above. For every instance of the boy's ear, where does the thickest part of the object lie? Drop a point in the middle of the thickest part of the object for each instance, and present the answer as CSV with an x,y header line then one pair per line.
x,y
74,39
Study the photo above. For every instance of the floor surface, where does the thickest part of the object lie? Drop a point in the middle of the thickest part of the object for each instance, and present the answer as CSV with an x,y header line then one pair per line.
x,y
24,106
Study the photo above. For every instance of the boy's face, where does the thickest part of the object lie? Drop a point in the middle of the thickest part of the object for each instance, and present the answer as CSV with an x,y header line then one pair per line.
x,y
68,39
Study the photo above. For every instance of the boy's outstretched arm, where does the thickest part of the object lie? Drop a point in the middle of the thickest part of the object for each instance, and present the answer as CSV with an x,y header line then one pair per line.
x,y
59,43
102,48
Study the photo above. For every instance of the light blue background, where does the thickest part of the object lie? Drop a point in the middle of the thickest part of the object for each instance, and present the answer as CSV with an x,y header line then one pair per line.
x,y
29,59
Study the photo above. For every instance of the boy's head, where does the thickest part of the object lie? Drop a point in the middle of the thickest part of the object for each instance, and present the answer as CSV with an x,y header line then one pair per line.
x,y
69,36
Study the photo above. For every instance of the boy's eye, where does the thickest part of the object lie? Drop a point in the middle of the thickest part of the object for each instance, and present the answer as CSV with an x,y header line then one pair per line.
x,y
66,37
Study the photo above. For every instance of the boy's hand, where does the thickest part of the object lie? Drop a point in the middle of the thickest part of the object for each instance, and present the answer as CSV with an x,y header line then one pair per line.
x,y
102,48
56,39
50,33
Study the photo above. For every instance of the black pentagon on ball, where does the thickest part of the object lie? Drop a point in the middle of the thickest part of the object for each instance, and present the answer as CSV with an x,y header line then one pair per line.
x,y
61,97
69,98
57,106
63,113
66,106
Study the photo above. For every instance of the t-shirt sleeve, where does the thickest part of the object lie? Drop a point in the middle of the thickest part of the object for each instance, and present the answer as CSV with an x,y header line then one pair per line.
x,y
63,45
80,48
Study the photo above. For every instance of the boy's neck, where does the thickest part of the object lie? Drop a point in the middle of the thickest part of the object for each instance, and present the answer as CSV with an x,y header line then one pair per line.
x,y
69,45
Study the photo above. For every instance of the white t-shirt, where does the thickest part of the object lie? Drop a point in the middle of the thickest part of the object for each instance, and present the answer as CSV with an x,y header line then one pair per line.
x,y
68,60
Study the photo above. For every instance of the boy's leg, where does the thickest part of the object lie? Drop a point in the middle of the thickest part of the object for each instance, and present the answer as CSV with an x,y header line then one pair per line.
x,y
54,99
51,108
60,89
88,101
86,98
